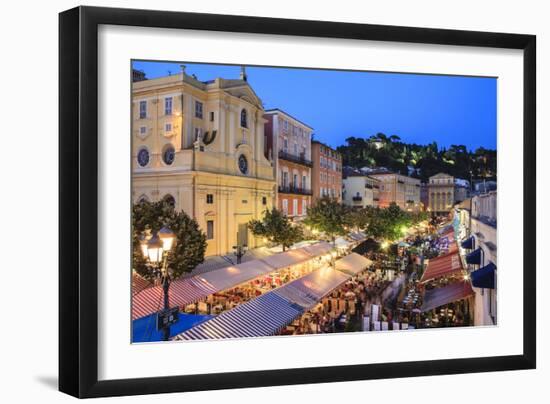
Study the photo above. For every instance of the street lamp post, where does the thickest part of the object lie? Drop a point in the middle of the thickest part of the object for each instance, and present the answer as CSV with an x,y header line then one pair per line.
x,y
155,250
240,251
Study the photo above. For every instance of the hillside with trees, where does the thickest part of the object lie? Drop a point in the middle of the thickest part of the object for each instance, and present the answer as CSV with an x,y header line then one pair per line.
x,y
389,151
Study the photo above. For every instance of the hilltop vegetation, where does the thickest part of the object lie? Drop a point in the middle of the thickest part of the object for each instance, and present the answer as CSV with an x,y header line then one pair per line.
x,y
390,152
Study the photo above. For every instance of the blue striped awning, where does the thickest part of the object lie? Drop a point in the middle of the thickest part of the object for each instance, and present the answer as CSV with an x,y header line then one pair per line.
x,y
259,317
484,277
269,313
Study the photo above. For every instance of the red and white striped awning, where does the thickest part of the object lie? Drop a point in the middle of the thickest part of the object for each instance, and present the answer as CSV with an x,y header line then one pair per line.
x,y
139,283
190,290
444,265
182,292
451,293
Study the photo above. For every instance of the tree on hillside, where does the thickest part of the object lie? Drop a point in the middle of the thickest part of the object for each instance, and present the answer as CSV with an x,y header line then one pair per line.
x,y
276,228
190,245
328,216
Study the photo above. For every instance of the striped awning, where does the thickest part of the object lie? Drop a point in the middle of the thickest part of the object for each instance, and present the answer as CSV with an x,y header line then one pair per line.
x,y
448,294
190,290
447,236
318,249
287,258
353,263
181,292
444,265
139,283
229,277
269,313
308,290
262,316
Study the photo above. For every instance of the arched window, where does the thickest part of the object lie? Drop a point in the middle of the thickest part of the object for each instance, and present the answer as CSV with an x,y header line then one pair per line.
x,y
244,118
143,199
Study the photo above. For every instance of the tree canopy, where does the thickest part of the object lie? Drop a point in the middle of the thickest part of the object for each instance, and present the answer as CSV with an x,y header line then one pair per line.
x,y
385,223
328,216
426,160
276,228
190,245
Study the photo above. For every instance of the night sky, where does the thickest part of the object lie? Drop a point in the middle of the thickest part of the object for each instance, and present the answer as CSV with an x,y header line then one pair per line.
x,y
339,104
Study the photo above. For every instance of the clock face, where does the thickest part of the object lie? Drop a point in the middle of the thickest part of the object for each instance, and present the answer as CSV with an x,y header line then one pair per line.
x,y
169,155
143,157
243,164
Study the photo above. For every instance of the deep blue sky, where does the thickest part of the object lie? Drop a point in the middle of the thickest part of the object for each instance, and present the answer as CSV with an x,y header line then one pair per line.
x,y
339,104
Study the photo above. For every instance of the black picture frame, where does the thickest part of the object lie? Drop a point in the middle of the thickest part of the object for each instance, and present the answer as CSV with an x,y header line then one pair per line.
x,y
78,196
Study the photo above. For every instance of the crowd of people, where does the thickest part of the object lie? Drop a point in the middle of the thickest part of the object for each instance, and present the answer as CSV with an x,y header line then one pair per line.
x,y
391,284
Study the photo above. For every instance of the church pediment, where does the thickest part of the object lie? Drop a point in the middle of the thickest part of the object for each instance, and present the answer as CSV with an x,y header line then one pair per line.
x,y
245,92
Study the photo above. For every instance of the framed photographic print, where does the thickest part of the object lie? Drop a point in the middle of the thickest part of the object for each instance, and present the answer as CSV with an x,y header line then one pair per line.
x,y
251,201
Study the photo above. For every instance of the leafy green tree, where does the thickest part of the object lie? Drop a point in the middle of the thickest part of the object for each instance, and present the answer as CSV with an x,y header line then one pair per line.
x,y
387,223
395,219
328,216
190,245
391,152
277,228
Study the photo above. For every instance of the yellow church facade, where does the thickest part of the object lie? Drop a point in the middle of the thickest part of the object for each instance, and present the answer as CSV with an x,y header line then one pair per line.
x,y
200,145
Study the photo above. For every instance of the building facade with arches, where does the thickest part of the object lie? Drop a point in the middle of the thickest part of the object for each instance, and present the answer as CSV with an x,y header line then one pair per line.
x,y
200,144
441,194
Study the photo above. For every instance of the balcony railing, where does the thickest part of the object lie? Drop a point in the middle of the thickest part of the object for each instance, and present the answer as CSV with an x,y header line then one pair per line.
x,y
289,189
357,198
295,159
